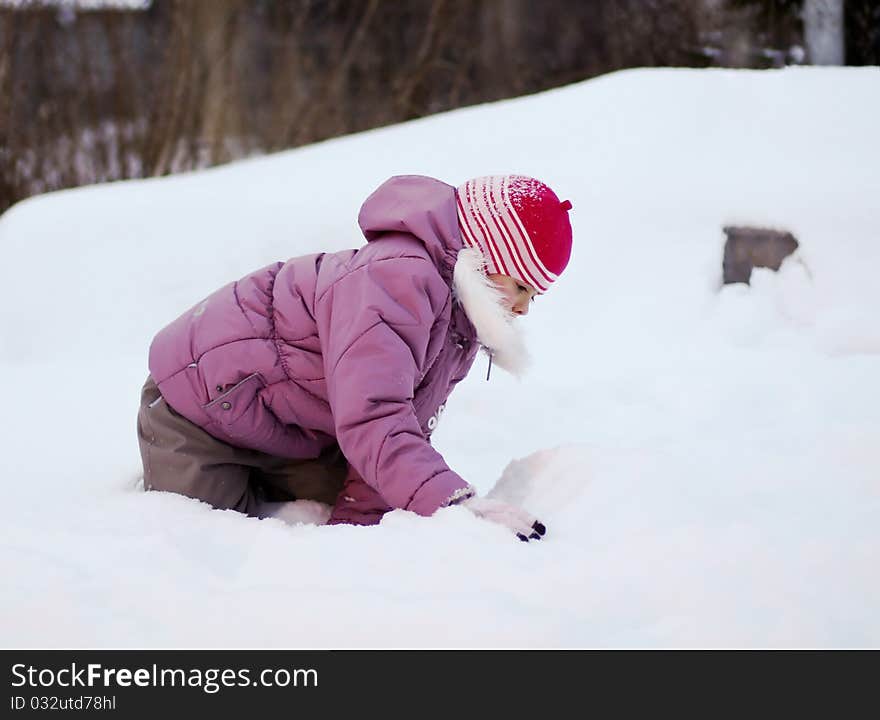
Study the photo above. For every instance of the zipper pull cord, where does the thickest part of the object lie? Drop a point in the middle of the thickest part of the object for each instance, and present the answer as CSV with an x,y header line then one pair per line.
x,y
489,371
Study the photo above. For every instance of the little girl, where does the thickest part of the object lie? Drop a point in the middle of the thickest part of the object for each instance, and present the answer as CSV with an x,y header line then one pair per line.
x,y
323,377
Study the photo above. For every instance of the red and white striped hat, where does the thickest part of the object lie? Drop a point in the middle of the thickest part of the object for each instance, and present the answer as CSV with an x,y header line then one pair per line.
x,y
518,224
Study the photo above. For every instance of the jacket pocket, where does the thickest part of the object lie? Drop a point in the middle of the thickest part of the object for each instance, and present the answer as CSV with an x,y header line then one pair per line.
x,y
236,408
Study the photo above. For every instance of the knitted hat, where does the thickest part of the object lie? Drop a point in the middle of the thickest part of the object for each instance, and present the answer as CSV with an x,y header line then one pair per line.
x,y
518,224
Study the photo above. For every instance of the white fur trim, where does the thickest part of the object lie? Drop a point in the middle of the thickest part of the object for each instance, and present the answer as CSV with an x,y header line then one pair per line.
x,y
460,495
483,303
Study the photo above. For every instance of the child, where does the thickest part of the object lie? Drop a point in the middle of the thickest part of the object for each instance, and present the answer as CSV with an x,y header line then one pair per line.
x,y
323,377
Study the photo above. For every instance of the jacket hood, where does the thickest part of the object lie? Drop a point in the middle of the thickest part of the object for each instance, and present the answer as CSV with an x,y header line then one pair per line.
x,y
421,206
425,208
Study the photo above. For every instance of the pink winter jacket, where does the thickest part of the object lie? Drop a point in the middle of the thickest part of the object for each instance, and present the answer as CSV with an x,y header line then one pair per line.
x,y
360,348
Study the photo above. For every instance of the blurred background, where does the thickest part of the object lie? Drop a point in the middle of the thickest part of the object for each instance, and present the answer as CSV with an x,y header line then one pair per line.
x,y
100,90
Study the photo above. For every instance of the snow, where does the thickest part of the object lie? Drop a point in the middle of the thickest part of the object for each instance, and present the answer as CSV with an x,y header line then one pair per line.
x,y
706,458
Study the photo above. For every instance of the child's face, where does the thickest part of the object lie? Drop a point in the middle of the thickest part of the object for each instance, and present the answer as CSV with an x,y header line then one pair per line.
x,y
517,294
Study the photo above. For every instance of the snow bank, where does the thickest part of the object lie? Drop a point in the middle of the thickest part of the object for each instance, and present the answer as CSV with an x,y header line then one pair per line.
x,y
705,458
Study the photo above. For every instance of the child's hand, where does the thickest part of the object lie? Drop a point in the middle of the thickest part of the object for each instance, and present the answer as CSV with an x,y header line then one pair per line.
x,y
524,525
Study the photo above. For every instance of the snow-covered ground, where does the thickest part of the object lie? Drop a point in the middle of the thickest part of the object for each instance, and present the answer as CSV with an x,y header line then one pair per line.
x,y
706,458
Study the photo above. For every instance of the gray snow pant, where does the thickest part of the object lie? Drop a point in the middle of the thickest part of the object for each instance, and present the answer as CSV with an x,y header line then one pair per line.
x,y
180,457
